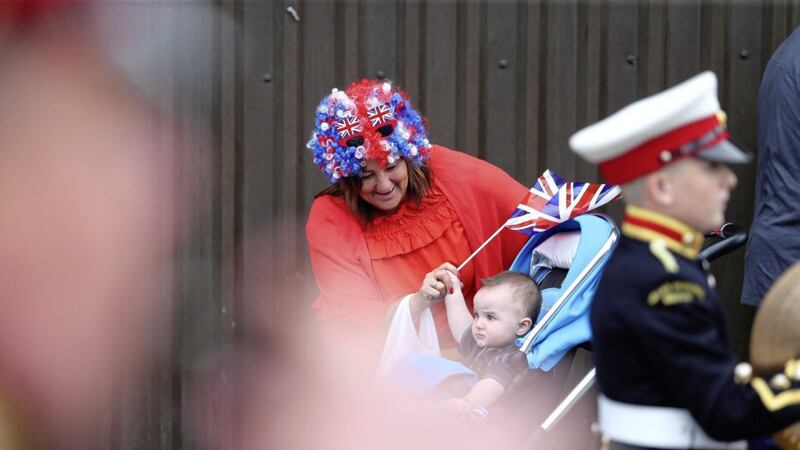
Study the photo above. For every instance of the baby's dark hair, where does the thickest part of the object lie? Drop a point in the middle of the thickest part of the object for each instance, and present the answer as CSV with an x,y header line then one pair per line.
x,y
524,290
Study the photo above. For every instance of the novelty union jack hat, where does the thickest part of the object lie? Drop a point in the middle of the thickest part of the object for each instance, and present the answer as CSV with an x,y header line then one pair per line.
x,y
683,121
371,120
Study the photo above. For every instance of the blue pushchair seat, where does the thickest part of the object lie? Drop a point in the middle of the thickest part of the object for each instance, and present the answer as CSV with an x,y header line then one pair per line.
x,y
563,322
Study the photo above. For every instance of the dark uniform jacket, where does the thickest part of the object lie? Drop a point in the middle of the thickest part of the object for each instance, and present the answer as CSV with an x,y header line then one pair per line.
x,y
660,337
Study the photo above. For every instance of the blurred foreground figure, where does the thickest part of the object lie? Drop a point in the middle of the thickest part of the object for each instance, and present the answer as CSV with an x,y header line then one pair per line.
x,y
86,228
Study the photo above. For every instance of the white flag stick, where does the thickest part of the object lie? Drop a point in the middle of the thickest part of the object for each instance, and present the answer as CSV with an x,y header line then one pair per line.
x,y
481,247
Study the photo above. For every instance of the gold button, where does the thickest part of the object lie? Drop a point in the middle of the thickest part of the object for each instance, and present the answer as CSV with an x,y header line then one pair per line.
x,y
712,282
665,156
688,237
780,381
742,373
722,117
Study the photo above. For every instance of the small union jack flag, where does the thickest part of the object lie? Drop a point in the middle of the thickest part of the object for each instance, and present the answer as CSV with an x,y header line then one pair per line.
x,y
349,126
380,115
553,200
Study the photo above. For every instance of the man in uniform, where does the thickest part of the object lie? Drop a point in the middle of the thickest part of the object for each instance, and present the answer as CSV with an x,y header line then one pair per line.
x,y
667,375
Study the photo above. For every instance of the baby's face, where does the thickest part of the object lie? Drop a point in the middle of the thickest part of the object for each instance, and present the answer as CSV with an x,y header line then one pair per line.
x,y
496,317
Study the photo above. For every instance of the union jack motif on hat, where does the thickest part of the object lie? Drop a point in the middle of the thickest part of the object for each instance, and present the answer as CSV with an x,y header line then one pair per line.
x,y
349,126
380,115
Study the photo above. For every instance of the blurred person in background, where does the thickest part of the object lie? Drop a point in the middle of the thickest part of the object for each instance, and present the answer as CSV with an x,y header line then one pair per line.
x,y
773,244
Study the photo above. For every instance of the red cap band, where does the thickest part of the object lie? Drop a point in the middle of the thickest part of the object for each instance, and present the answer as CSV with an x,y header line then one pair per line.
x,y
677,144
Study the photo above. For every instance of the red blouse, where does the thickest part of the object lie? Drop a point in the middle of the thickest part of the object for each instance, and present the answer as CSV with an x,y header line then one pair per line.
x,y
410,243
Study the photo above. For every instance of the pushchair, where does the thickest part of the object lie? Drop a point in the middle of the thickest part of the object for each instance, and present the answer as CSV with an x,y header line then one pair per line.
x,y
566,262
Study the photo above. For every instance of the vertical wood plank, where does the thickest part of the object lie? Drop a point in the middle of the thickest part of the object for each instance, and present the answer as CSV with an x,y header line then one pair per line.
x,y
290,228
652,61
533,119
561,79
623,54
378,40
683,34
411,48
521,87
439,89
591,20
346,40
468,76
262,94
500,65
715,37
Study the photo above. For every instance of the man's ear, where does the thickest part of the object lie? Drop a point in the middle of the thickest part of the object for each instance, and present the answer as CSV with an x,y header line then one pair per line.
x,y
660,189
524,326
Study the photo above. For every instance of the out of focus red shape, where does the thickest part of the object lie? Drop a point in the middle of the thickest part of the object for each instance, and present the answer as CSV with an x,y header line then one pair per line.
x,y
27,12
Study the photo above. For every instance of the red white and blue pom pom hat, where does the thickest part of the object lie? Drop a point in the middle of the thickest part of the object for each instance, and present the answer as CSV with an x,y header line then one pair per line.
x,y
680,122
371,120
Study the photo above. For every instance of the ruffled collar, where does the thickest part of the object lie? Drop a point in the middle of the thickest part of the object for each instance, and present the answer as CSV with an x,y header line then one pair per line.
x,y
411,227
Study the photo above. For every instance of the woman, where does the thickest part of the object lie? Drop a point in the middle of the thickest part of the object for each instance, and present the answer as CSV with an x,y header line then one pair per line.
x,y
399,211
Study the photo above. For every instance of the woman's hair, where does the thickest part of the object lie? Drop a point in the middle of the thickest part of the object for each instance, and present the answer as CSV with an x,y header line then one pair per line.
x,y
420,179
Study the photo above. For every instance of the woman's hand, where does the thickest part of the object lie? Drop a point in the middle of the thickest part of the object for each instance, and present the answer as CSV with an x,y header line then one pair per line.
x,y
439,281
435,285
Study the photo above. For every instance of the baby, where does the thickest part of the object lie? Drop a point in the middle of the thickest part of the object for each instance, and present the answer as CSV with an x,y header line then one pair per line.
x,y
504,309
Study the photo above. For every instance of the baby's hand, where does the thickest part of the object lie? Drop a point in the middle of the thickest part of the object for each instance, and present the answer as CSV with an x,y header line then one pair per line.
x,y
456,406
456,291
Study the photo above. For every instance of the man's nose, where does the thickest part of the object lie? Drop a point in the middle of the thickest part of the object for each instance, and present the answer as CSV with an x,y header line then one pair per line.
x,y
729,178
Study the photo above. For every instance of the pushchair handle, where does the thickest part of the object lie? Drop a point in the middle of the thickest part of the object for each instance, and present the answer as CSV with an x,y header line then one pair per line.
x,y
732,237
725,231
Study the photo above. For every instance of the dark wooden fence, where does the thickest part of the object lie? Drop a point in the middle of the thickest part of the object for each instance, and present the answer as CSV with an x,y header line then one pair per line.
x,y
508,81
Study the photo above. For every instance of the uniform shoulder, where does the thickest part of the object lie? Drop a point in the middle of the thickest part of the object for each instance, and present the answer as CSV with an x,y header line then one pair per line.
x,y
636,257
659,276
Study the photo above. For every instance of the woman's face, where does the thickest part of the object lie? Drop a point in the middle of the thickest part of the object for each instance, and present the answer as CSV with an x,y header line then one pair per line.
x,y
384,188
